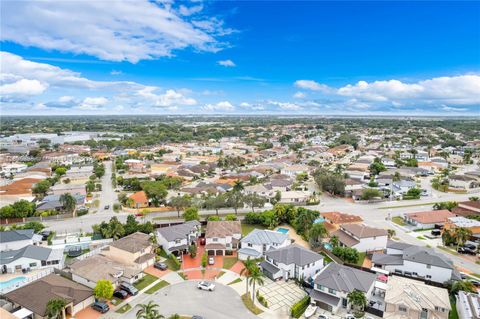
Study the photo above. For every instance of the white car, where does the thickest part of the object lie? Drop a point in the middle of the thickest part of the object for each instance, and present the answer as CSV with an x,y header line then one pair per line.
x,y
211,260
205,285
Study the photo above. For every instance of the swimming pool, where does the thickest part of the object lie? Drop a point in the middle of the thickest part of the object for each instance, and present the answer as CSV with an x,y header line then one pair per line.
x,y
282,230
328,246
11,282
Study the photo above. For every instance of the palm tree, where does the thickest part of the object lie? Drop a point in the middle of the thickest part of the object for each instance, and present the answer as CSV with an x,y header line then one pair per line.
x,y
461,235
148,311
462,285
357,299
68,202
334,241
317,231
256,277
238,186
391,233
247,268
55,308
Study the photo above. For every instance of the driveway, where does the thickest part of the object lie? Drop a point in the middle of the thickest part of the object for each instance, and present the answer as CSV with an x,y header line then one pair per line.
x,y
184,298
281,295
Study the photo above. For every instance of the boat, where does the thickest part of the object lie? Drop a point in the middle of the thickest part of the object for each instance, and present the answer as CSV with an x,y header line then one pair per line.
x,y
311,309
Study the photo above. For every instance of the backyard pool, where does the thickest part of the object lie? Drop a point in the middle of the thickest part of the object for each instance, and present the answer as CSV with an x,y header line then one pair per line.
x,y
11,282
328,246
282,230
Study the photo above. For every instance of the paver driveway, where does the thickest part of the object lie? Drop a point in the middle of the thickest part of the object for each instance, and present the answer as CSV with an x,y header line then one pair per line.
x,y
281,295
184,298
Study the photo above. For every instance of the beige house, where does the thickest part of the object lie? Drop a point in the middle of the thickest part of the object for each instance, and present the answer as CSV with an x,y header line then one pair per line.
x,y
133,250
412,299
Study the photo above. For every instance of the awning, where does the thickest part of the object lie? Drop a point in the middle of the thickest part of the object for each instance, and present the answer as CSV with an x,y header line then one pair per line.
x,y
381,285
323,297
177,248
249,252
269,267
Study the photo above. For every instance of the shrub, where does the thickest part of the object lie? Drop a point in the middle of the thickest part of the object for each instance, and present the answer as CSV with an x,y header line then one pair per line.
x,y
204,260
116,207
299,308
175,262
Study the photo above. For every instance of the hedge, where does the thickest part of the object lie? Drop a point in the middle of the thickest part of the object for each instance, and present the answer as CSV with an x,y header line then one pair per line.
x,y
299,308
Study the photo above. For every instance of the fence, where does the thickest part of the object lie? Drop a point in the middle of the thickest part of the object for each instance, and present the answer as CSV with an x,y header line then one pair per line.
x,y
10,221
13,283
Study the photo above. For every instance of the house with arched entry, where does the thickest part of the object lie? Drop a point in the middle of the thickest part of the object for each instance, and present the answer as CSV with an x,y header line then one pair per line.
x,y
222,237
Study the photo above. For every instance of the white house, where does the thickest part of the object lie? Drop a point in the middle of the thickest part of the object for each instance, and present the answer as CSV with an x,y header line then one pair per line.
x,y
401,187
177,238
17,239
295,197
334,282
428,219
415,261
292,261
222,237
12,169
361,237
294,170
31,257
259,241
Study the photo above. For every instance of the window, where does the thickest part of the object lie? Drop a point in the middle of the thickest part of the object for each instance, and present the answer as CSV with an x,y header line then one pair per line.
x,y
320,287
332,291
249,245
428,276
33,265
178,241
429,266
402,308
215,239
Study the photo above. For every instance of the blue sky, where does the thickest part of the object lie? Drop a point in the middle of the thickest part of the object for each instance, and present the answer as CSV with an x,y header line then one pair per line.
x,y
239,57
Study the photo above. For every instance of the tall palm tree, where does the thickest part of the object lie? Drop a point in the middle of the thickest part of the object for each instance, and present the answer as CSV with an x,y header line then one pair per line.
x,y
55,308
247,268
148,311
68,202
317,231
238,186
462,234
357,299
256,277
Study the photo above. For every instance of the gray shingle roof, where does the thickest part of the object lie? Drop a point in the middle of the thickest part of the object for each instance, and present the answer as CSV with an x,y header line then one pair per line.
x,y
294,254
343,278
178,231
30,251
261,236
16,235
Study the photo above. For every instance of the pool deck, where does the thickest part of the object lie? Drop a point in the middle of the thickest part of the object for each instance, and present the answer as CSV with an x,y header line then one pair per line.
x,y
293,235
33,273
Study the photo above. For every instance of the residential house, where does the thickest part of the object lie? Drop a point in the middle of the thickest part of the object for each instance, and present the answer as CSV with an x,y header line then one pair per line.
x,y
135,250
292,261
401,187
17,190
53,202
461,222
260,189
362,237
136,166
468,305
177,238
428,219
34,297
30,257
413,299
463,182
19,238
467,208
12,169
259,241
222,236
139,200
415,261
295,197
59,189
334,282
294,170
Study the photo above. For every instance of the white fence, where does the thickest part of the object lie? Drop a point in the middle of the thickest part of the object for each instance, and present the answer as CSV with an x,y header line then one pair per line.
x,y
14,283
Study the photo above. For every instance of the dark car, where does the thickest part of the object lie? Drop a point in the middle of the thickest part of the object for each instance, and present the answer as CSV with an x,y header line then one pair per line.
x,y
129,288
45,234
470,246
466,250
161,266
101,307
107,207
120,294
475,283
436,232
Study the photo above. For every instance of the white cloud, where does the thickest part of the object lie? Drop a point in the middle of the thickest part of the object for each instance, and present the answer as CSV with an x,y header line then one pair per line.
x,y
300,95
109,30
23,87
167,99
287,106
65,99
188,11
115,72
220,106
453,109
226,63
93,103
311,85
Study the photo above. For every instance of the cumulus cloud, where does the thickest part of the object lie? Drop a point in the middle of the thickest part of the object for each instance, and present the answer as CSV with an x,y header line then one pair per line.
x,y
453,109
220,106
117,30
300,95
93,103
23,87
311,85
227,63
287,106
168,99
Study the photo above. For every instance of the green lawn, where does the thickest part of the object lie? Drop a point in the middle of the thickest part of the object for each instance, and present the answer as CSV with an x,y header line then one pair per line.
x,y
145,281
157,286
124,308
228,262
220,274
453,313
172,265
247,301
326,258
448,250
247,228
235,281
421,238
398,220
361,257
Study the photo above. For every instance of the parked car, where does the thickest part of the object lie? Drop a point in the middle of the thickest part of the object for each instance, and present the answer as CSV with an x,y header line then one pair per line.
x,y
205,285
120,294
465,250
107,207
197,317
202,240
101,307
129,288
470,246
350,317
323,317
436,232
211,260
161,266
45,234
476,283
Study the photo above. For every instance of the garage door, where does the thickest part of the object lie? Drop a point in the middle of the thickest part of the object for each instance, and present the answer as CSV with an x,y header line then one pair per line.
x,y
219,253
211,252
324,306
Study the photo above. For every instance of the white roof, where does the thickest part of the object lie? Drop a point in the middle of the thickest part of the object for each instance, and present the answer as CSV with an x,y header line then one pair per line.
x,y
22,313
464,222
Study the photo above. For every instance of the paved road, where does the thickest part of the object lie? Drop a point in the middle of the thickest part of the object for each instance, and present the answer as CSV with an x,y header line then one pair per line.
x,y
108,195
185,299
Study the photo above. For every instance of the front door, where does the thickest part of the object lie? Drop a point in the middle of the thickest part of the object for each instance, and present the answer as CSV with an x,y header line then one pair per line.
x,y
344,302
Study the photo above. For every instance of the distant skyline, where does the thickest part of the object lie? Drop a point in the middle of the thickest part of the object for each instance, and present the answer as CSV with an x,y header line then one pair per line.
x,y
240,57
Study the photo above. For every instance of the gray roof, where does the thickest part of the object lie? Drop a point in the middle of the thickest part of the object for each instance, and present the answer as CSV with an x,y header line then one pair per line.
x,y
423,255
16,235
261,236
384,259
343,278
326,298
266,266
397,245
294,254
178,231
30,251
249,252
